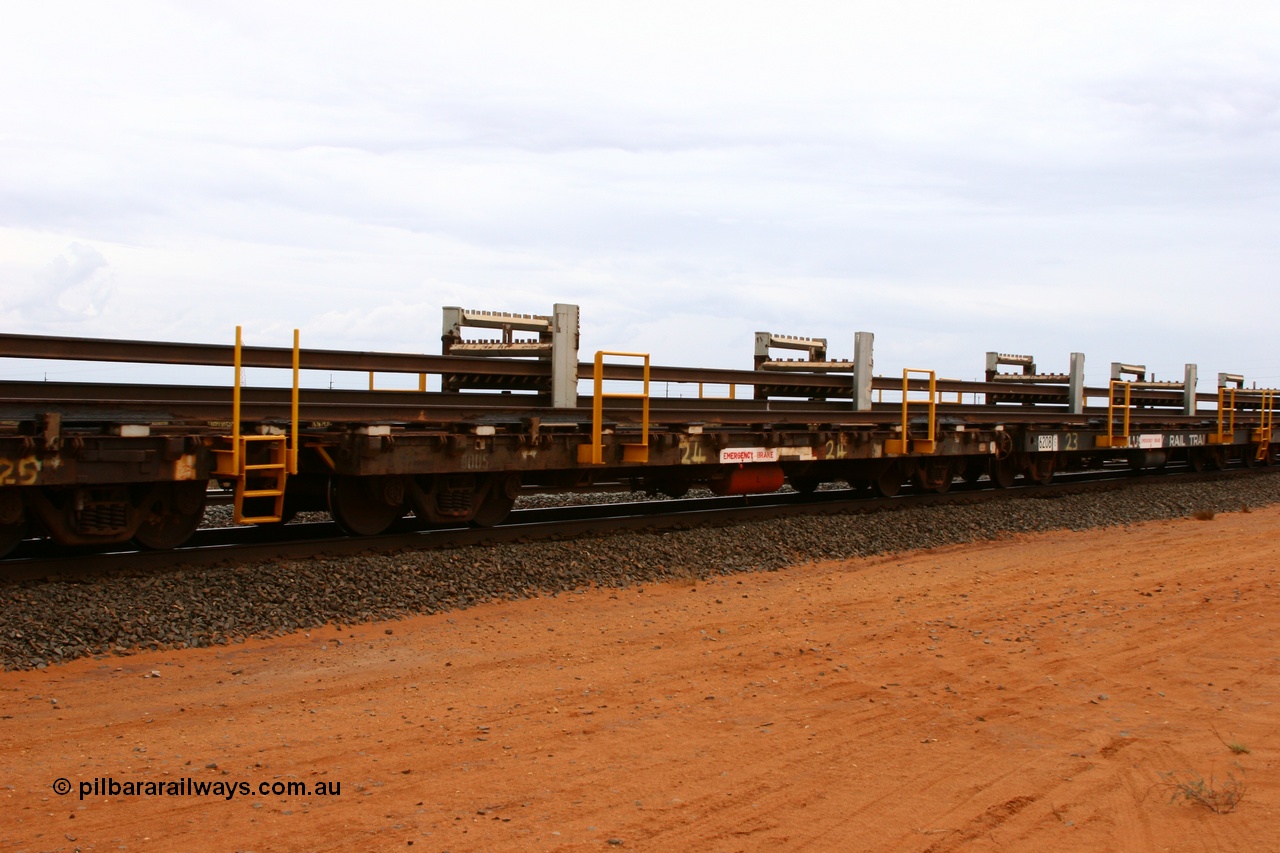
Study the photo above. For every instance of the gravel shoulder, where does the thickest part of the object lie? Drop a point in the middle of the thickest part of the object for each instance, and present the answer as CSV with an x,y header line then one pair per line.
x,y
1038,690
48,623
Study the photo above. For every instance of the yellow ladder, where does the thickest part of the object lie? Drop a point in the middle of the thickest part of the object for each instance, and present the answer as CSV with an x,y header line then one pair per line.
x,y
1226,416
1111,439
1266,416
264,477
260,465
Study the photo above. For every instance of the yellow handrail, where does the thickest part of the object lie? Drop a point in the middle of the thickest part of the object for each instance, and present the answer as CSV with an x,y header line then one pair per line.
x,y
593,453
422,384
906,444
293,410
733,392
235,410
282,450
1226,424
1266,416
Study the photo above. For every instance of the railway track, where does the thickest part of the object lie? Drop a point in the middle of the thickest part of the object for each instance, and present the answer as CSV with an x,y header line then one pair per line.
x,y
221,546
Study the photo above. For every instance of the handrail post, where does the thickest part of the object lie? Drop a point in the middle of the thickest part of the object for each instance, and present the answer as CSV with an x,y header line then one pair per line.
x,y
597,412
933,407
906,422
1226,414
905,444
644,410
593,454
1128,403
235,409
293,409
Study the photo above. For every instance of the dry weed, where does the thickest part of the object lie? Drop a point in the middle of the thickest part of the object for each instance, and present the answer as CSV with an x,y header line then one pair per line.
x,y
1217,798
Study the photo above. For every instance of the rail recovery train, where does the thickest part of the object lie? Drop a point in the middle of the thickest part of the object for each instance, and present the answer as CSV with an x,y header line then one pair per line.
x,y
90,463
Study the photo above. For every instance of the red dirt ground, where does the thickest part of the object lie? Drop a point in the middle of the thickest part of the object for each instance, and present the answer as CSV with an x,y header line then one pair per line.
x,y
1025,694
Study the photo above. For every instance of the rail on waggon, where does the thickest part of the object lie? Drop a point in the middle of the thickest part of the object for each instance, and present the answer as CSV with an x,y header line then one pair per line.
x,y
454,438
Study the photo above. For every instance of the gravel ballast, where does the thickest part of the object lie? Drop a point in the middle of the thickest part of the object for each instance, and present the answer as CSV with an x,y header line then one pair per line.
x,y
42,623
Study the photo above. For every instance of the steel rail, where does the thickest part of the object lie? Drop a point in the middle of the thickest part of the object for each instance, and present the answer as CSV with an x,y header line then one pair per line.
x,y
521,369
322,540
223,355
123,403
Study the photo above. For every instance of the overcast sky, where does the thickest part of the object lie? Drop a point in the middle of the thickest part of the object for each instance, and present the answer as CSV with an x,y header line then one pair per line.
x,y
1032,177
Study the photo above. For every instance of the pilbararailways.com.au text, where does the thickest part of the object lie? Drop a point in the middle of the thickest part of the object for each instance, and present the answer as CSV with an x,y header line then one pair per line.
x,y
108,786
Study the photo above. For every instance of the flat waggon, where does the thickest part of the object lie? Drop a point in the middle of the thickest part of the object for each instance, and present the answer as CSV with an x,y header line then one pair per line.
x,y
516,408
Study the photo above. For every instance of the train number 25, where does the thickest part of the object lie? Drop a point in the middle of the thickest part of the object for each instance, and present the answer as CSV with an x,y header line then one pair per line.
x,y
19,472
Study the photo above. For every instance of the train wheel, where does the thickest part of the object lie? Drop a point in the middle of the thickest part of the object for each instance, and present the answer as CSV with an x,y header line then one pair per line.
x,y
365,506
10,536
13,524
497,502
1197,461
973,470
672,488
174,513
889,481
1002,472
805,485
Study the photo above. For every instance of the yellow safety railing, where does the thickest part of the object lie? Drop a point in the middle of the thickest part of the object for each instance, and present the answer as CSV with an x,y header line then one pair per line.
x,y
1266,415
422,384
1226,416
906,444
733,392
593,453
279,451
293,408
1111,439
1266,421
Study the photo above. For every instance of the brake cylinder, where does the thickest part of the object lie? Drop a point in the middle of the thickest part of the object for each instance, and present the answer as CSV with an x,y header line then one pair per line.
x,y
753,479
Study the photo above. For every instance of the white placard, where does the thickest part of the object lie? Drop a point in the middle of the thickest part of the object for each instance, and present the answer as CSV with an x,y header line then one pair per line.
x,y
734,455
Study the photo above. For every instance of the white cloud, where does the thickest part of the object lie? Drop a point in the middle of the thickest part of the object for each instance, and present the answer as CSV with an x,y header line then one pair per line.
x,y
954,177
75,285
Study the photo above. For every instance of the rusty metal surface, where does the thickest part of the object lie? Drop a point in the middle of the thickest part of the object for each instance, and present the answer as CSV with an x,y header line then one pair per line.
x,y
483,372
222,355
130,403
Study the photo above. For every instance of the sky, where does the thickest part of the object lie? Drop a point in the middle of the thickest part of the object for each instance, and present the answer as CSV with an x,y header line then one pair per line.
x,y
1039,178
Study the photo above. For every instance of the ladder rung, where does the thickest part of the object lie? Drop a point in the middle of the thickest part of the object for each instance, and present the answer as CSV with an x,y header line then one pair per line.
x,y
262,493
266,467
259,519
